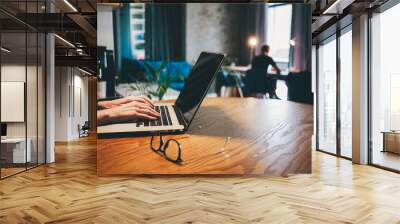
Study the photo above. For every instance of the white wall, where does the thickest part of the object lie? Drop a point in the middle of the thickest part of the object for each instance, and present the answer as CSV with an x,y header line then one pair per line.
x,y
61,103
71,95
80,109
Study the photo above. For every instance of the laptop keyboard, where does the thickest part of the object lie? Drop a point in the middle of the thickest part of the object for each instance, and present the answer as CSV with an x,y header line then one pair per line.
x,y
164,120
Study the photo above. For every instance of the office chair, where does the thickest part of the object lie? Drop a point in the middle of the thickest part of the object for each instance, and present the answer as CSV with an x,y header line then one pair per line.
x,y
256,83
228,83
84,130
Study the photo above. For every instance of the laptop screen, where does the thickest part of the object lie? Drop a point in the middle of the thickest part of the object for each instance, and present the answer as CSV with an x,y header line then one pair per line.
x,y
197,84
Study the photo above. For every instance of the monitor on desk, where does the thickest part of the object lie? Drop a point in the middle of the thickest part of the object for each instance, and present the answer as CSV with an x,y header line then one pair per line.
x,y
3,130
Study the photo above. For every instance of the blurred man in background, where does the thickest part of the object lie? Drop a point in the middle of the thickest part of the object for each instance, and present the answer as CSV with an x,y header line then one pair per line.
x,y
261,63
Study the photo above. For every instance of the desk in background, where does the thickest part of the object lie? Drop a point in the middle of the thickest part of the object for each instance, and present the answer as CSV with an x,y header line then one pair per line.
x,y
267,137
391,141
298,83
13,151
236,78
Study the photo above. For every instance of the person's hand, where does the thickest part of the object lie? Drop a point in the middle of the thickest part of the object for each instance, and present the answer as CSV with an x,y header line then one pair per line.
x,y
127,112
129,99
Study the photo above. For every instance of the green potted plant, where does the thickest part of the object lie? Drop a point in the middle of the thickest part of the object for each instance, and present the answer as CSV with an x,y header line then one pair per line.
x,y
158,81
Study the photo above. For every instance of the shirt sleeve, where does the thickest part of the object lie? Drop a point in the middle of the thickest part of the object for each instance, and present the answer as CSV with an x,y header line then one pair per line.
x,y
272,62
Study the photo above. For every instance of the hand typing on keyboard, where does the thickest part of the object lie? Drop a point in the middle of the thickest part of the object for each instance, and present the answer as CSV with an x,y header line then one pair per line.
x,y
126,109
129,99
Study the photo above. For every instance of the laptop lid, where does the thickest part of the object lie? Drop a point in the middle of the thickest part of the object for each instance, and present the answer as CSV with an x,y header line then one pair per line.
x,y
197,85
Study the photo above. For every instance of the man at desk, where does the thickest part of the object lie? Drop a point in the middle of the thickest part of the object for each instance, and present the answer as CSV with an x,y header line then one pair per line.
x,y
262,62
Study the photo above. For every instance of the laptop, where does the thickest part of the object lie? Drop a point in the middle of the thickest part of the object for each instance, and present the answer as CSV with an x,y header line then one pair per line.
x,y
175,117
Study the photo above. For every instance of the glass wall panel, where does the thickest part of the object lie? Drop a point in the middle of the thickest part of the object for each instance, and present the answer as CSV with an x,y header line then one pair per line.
x,y
22,89
327,96
41,98
13,86
33,70
346,94
385,89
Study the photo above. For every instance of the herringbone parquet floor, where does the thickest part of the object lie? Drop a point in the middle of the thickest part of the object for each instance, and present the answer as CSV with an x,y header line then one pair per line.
x,y
69,191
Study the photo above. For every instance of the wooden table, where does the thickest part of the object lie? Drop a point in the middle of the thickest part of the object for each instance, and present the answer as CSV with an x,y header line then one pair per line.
x,y
238,69
266,137
391,141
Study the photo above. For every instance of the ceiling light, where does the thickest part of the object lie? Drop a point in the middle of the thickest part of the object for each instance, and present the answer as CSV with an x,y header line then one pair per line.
x,y
5,50
337,7
79,51
65,41
84,71
70,5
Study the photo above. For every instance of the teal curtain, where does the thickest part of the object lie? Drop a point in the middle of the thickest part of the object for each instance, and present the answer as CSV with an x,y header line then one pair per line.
x,y
165,33
122,35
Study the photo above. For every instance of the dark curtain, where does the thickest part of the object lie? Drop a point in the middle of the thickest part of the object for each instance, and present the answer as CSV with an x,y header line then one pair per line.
x,y
165,32
299,79
251,22
300,53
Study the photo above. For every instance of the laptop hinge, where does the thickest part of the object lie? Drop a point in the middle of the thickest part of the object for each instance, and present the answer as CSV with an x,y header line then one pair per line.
x,y
179,115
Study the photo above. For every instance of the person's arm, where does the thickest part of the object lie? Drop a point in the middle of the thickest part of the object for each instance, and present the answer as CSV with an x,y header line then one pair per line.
x,y
275,66
127,112
107,104
125,109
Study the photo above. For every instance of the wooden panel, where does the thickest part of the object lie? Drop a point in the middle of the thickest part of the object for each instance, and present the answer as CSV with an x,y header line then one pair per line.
x,y
266,137
392,142
92,103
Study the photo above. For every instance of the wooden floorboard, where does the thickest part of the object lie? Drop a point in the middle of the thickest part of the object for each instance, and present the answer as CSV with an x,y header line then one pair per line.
x,y
69,191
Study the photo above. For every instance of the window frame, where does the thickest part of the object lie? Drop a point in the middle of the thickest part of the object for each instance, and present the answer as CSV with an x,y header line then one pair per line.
x,y
336,36
380,9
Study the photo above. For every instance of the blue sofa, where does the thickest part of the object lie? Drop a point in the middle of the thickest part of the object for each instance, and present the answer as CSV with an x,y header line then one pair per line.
x,y
177,71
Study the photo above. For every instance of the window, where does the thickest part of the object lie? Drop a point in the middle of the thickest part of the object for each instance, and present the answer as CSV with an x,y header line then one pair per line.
x,y
385,88
327,96
334,94
137,11
346,94
279,19
277,35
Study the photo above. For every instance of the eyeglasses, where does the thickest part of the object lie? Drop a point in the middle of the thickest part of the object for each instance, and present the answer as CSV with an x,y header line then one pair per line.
x,y
170,149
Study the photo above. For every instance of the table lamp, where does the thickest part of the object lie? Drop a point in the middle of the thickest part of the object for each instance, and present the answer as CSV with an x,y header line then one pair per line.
x,y
252,42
